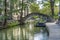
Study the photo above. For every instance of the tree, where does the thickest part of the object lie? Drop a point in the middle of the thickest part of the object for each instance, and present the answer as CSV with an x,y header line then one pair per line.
x,y
34,7
21,19
23,6
52,6
5,14
46,8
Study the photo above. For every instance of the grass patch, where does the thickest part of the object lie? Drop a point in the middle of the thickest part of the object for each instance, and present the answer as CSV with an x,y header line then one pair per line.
x,y
12,24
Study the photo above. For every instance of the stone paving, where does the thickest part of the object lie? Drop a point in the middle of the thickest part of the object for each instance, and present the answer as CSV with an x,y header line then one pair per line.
x,y
54,31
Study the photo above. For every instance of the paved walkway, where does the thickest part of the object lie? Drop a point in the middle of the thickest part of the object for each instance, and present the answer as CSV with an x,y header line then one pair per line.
x,y
54,30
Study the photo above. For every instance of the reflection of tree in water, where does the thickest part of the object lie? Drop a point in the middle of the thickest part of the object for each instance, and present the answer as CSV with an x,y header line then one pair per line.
x,y
25,32
28,32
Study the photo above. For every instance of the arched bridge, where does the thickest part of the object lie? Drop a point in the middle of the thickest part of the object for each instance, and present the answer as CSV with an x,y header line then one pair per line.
x,y
29,16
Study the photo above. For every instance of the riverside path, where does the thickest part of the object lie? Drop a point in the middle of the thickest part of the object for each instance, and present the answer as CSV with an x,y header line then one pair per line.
x,y
54,31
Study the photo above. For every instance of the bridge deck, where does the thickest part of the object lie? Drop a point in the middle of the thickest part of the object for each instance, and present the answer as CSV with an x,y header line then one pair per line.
x,y
54,30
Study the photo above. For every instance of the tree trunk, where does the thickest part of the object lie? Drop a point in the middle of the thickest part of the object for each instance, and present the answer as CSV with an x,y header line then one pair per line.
x,y
21,18
27,8
24,12
5,14
21,14
52,7
11,7
59,11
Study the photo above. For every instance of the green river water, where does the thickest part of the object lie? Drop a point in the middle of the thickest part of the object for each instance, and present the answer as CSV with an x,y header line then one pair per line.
x,y
24,32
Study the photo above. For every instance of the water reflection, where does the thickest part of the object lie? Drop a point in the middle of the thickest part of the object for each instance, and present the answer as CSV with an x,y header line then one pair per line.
x,y
25,32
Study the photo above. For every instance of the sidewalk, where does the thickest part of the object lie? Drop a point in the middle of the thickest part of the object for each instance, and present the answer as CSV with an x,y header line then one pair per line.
x,y
54,30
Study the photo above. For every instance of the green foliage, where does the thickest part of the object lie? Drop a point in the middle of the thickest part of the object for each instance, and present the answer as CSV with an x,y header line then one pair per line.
x,y
0,10
56,17
31,1
14,23
34,7
1,17
47,9
35,16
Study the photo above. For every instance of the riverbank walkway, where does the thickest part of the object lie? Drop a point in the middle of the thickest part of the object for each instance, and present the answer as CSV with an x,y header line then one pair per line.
x,y
54,30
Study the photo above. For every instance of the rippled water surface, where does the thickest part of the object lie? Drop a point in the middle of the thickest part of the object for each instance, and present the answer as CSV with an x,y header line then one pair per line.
x,y
24,32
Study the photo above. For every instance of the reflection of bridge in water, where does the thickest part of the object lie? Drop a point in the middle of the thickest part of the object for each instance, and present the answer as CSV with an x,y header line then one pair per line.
x,y
24,32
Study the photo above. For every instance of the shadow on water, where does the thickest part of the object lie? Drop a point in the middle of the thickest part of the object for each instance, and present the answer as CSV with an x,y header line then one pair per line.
x,y
24,32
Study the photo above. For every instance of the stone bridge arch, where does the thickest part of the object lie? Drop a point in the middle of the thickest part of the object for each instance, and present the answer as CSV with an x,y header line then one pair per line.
x,y
48,18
